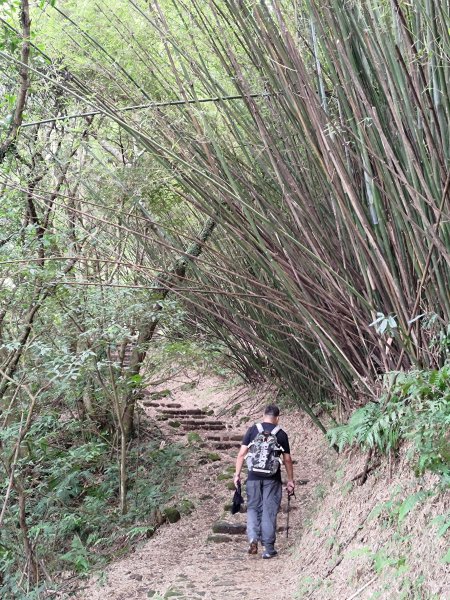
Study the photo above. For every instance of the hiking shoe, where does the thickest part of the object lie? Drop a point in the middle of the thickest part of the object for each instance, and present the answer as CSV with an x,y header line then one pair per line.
x,y
270,554
253,548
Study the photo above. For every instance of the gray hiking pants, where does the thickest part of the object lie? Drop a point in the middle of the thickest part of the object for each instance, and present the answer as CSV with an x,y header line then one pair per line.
x,y
263,504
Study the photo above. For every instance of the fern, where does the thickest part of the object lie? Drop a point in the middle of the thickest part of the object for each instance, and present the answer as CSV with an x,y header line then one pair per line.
x,y
418,409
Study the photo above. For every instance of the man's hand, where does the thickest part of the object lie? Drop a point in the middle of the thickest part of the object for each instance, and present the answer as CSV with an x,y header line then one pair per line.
x,y
290,487
236,479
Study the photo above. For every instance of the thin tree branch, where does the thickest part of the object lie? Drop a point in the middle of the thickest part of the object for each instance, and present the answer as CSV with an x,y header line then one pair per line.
x,y
153,105
24,82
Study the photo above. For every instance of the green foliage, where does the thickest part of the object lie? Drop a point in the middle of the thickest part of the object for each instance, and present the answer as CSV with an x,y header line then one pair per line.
x,y
417,409
395,510
194,438
369,426
212,456
409,503
189,352
77,557
72,481
382,560
186,506
443,522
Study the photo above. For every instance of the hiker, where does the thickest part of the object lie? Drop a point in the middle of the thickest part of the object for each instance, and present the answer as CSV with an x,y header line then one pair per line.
x,y
263,445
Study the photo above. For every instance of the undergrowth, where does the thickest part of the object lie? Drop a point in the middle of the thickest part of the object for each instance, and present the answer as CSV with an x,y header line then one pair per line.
x,y
416,409
72,480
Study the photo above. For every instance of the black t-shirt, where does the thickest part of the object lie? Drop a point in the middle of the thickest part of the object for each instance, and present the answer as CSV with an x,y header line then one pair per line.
x,y
282,438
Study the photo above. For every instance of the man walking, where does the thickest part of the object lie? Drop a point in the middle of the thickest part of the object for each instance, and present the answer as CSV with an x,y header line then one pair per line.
x,y
263,445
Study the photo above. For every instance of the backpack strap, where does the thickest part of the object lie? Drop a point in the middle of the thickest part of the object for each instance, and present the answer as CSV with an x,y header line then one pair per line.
x,y
274,432
260,429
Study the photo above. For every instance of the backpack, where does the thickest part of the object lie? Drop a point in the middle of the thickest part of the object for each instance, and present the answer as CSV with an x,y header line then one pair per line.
x,y
264,451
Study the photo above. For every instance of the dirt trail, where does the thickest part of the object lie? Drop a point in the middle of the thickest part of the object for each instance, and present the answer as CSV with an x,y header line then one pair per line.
x,y
185,560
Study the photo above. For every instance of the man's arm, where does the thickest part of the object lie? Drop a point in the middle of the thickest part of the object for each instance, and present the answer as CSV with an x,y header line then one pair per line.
x,y
239,462
290,473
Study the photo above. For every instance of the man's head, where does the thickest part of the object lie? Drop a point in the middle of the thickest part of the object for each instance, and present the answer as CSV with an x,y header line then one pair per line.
x,y
272,413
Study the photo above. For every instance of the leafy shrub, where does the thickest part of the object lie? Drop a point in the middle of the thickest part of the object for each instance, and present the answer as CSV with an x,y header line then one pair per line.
x,y
417,409
72,482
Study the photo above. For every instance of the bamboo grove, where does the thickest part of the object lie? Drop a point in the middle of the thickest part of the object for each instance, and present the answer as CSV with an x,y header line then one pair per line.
x,y
269,176
328,180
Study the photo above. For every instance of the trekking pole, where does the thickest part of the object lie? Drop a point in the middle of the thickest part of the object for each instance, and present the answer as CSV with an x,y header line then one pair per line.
x,y
300,482
288,511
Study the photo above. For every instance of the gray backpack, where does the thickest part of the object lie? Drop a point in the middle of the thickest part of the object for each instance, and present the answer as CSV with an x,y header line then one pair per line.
x,y
264,452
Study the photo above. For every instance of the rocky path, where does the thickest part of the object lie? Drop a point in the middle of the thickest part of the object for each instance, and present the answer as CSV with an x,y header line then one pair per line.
x,y
204,555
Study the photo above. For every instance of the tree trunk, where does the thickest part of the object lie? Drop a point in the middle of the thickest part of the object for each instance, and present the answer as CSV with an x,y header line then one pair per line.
x,y
162,286
33,571
24,81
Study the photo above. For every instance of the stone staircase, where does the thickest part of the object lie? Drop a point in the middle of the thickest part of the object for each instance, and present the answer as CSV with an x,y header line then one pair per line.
x,y
214,433
122,355
183,421
217,438
211,434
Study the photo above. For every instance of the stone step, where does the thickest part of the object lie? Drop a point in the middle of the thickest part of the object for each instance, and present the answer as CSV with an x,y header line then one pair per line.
x,y
236,437
203,426
166,415
229,528
225,438
199,422
224,445
218,538
157,396
227,508
117,358
184,430
161,405
178,412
